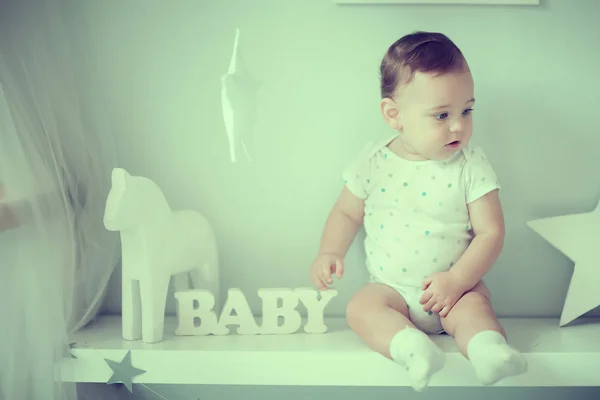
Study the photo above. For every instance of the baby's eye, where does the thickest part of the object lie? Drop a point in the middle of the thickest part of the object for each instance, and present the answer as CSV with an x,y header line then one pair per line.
x,y
441,116
467,111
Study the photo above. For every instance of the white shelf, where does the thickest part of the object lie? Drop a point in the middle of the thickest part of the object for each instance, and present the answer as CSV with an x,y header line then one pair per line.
x,y
568,356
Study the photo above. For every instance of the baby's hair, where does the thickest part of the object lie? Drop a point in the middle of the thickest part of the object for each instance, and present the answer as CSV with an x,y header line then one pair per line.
x,y
428,52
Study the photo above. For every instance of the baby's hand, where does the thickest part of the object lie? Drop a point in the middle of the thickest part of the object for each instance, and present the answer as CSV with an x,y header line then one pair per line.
x,y
441,292
324,265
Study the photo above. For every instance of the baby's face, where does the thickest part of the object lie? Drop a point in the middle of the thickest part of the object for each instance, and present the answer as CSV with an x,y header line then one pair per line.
x,y
435,114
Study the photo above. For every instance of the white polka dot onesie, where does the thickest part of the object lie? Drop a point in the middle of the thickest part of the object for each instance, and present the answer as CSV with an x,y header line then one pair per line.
x,y
416,216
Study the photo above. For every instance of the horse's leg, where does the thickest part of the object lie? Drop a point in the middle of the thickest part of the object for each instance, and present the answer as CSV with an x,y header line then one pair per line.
x,y
206,273
181,282
154,290
131,308
199,276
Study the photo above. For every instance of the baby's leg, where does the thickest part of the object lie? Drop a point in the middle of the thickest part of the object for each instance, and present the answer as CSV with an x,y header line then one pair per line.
x,y
378,315
480,337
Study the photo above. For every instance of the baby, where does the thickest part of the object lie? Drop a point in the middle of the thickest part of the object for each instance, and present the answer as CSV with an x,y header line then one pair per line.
x,y
433,220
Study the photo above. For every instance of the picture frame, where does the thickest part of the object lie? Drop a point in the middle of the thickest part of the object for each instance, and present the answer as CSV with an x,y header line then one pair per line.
x,y
443,2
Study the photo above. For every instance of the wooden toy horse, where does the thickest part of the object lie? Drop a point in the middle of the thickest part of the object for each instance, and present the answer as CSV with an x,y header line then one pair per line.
x,y
157,243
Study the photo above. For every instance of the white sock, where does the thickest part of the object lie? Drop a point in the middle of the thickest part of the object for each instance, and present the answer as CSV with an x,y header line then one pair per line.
x,y
419,354
493,359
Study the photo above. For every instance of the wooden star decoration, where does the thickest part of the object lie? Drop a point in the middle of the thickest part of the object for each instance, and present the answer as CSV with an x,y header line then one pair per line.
x,y
576,236
70,352
124,372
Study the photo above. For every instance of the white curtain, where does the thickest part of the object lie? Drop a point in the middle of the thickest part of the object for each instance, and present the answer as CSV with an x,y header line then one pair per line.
x,y
56,155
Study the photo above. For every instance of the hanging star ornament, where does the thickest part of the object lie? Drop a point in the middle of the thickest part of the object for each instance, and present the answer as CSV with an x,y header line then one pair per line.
x,y
238,102
577,237
123,372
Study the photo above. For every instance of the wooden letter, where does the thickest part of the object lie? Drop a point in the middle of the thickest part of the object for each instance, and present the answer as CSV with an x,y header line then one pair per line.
x,y
271,312
236,301
188,313
315,307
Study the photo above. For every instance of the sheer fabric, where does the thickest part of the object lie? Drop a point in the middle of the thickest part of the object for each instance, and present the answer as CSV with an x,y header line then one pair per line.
x,y
56,154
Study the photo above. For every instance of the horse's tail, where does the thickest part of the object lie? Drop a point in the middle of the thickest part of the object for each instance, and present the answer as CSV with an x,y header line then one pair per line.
x,y
213,258
210,258
211,267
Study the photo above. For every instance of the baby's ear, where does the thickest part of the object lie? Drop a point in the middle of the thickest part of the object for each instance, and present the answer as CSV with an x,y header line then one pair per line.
x,y
391,114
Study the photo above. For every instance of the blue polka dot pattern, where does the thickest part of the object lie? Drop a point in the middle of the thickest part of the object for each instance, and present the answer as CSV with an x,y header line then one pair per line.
x,y
417,220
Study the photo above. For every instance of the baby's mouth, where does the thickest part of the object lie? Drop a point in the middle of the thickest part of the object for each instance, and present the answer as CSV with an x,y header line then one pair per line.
x,y
455,143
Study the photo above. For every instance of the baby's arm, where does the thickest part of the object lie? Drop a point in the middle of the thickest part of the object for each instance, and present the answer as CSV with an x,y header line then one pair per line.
x,y
342,224
487,221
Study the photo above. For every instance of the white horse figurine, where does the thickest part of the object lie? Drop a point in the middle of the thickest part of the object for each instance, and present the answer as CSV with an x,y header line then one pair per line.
x,y
156,244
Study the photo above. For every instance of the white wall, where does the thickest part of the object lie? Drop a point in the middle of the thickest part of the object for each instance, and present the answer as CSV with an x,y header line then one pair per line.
x,y
537,86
